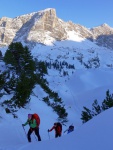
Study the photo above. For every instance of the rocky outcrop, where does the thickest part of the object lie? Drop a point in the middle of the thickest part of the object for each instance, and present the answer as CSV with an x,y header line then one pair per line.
x,y
103,35
48,23
104,29
9,27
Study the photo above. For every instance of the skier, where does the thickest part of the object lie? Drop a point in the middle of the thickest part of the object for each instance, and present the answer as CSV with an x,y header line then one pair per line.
x,y
58,129
34,126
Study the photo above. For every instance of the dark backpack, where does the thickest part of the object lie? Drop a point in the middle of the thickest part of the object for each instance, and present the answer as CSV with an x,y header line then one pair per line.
x,y
59,125
71,128
37,118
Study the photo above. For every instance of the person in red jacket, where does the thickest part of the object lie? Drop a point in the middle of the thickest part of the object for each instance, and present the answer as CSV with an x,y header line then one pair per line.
x,y
58,129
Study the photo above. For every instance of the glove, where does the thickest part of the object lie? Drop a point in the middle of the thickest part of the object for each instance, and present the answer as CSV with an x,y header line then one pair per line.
x,y
48,130
23,125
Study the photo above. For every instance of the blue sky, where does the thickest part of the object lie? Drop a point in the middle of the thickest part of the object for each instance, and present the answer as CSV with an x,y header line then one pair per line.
x,y
85,12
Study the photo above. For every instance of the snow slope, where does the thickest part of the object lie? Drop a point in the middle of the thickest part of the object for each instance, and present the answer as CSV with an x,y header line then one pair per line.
x,y
80,88
94,135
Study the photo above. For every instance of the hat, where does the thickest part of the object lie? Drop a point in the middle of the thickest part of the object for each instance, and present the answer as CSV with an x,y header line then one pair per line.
x,y
29,116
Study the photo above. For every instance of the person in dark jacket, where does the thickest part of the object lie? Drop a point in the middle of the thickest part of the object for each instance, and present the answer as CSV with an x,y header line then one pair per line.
x,y
70,129
58,129
33,127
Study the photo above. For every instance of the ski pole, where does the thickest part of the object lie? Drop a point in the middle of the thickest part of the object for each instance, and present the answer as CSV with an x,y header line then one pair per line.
x,y
49,135
66,130
24,131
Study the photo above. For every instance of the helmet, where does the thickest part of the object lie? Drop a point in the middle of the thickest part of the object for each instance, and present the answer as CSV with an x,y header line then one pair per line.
x,y
29,116
55,124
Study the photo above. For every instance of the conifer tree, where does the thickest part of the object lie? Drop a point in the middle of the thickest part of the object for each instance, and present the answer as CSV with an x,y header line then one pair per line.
x,y
107,103
19,58
22,65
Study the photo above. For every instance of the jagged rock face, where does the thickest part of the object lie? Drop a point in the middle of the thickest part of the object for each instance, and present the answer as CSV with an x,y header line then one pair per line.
x,y
101,30
47,23
9,27
32,27
5,30
103,35
42,25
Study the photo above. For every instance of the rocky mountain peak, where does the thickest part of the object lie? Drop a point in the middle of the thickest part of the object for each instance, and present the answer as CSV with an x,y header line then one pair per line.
x,y
41,25
103,29
105,25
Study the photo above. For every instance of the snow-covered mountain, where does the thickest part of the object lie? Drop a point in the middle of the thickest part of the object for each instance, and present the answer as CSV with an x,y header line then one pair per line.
x,y
38,27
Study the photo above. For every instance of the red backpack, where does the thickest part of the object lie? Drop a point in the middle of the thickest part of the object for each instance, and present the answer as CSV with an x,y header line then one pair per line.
x,y
37,118
59,125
